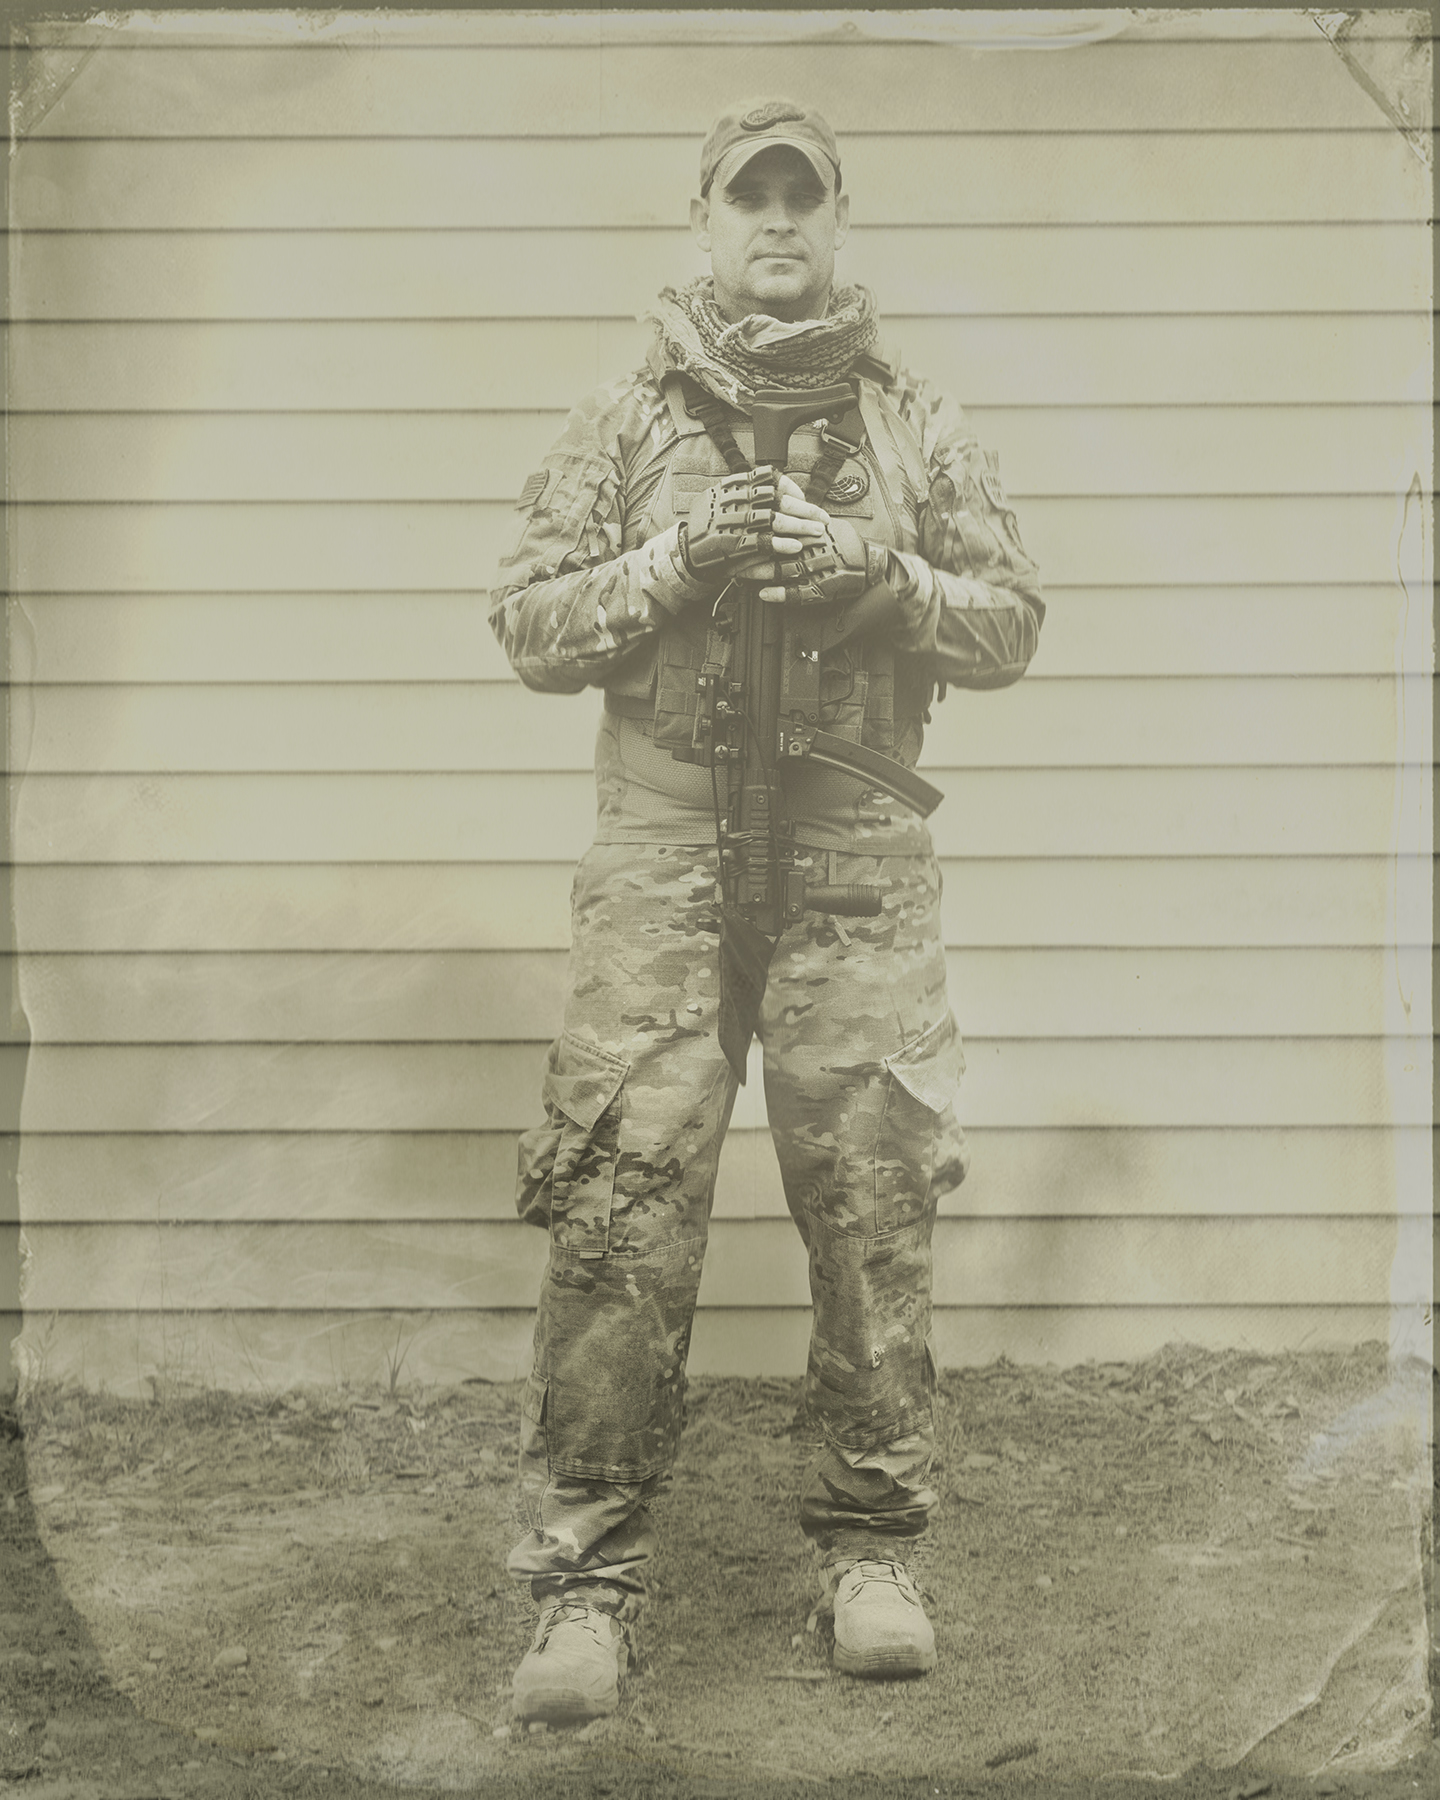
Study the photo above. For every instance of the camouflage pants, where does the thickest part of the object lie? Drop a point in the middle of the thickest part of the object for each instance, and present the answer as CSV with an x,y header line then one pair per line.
x,y
861,1059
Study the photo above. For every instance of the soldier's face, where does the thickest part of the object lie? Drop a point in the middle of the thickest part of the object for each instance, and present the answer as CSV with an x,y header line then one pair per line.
x,y
771,234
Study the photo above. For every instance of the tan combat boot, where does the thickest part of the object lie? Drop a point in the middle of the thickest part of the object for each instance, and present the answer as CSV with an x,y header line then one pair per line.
x,y
572,1671
880,1626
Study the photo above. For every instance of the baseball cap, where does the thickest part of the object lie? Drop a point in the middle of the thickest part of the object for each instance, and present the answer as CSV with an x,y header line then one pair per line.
x,y
755,125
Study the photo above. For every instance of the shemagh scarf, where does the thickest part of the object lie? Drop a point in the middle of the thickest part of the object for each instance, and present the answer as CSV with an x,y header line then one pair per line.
x,y
732,360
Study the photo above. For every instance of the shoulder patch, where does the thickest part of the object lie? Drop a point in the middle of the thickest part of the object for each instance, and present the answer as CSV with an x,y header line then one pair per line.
x,y
994,492
533,491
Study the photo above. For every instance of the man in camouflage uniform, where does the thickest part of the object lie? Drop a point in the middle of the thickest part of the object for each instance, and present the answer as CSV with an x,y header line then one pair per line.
x,y
623,551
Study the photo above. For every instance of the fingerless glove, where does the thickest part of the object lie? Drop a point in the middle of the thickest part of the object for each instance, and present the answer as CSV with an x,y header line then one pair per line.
x,y
729,525
833,569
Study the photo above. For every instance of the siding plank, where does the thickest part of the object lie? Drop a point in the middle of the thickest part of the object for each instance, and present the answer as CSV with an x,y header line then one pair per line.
x,y
491,726
1213,631
505,995
951,271
419,636
1243,540
1027,177
1111,451
460,1087
1042,813
1053,359
156,1178
757,1263
381,90
1047,901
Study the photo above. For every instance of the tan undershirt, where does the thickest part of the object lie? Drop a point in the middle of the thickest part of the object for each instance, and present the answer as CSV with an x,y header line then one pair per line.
x,y
647,797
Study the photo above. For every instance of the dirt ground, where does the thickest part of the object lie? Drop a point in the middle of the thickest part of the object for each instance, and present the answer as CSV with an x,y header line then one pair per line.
x,y
1198,1575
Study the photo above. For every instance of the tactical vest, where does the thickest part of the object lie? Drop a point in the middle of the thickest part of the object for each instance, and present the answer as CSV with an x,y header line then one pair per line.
x,y
865,697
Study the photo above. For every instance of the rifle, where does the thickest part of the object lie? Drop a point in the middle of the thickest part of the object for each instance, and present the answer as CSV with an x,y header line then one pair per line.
x,y
759,708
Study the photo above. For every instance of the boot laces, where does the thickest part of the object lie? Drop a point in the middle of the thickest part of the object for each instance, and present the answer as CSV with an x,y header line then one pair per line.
x,y
575,1612
883,1574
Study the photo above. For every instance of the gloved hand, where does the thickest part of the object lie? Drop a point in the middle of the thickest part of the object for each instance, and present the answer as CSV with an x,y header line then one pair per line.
x,y
830,569
728,529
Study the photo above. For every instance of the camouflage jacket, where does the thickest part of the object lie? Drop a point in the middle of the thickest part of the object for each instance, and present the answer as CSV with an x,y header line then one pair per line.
x,y
595,592
577,595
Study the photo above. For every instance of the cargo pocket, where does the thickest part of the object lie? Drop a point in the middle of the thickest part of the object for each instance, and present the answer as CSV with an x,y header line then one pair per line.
x,y
918,1131
567,1165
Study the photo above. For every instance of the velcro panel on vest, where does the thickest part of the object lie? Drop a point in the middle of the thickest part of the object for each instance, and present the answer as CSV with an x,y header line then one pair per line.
x,y
697,464
693,470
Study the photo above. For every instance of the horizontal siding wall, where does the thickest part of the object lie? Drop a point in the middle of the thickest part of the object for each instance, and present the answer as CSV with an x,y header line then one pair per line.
x,y
948,271
291,321
1049,359
1172,451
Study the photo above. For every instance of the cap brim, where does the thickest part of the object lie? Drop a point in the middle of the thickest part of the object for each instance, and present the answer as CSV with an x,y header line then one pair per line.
x,y
736,157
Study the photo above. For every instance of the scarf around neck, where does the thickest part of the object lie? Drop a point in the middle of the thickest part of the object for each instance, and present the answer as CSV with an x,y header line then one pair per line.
x,y
732,360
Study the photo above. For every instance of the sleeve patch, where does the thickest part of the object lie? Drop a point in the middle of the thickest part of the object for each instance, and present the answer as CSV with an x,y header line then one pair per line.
x,y
994,492
533,491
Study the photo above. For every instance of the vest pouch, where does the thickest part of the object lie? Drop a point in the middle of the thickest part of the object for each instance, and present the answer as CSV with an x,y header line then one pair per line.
x,y
843,691
880,706
683,652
